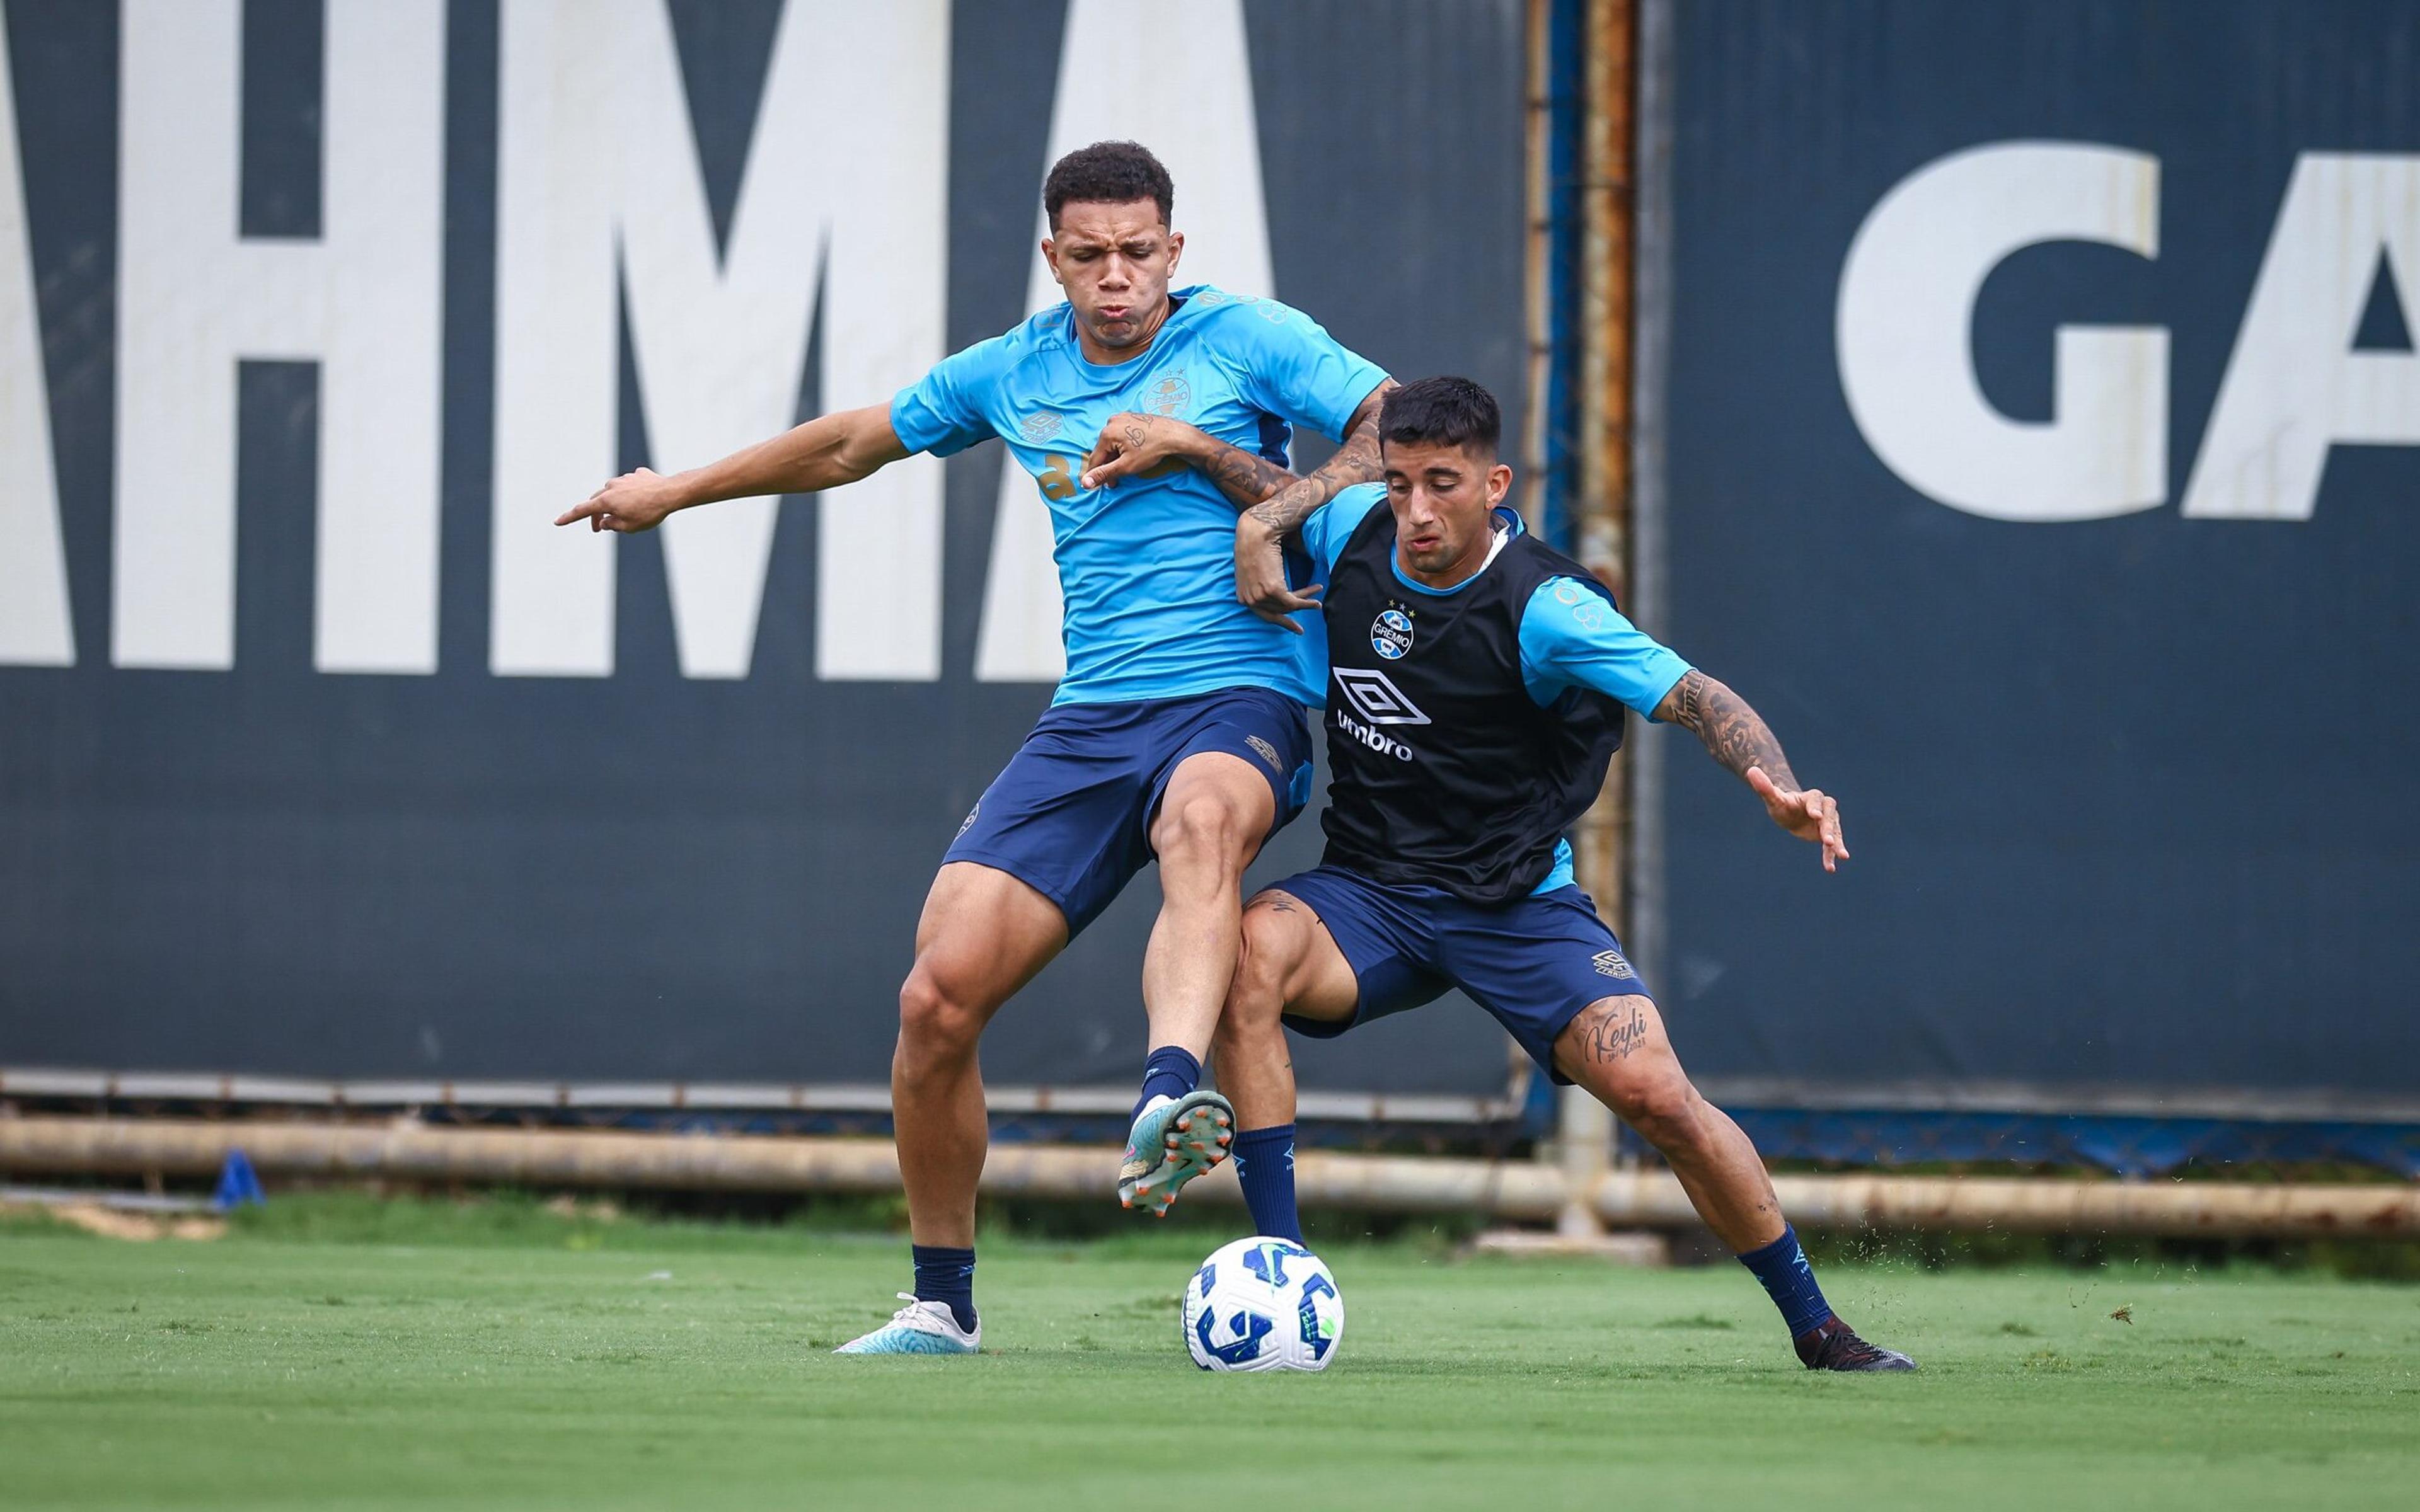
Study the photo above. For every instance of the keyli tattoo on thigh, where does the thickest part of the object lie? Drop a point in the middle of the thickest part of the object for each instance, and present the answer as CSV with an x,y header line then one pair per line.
x,y
1616,1033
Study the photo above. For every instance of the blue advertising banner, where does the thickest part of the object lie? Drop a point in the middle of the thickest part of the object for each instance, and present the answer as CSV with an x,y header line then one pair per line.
x,y
2044,432
323,753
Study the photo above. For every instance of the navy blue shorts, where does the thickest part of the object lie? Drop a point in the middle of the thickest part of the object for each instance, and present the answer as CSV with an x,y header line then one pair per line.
x,y
1070,814
1534,963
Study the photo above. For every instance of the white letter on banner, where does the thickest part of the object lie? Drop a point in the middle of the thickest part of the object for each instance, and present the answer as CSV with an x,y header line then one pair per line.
x,y
193,298
848,169
34,631
2294,386
1198,96
1906,315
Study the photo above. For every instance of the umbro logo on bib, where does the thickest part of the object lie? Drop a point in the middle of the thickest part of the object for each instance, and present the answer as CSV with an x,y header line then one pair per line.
x,y
1374,696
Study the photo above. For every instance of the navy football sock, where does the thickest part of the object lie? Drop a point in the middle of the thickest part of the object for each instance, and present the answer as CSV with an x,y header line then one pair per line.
x,y
946,1276
1171,1072
1265,1165
1788,1279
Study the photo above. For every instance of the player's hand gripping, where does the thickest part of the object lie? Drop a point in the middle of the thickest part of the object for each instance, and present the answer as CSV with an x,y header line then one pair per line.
x,y
1133,445
633,501
1261,575
1811,815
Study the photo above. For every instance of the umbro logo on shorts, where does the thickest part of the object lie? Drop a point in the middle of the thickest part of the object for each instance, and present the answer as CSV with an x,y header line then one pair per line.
x,y
1375,698
1611,963
1266,752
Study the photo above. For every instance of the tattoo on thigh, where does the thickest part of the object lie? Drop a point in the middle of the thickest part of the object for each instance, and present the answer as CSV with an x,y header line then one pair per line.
x,y
1616,1033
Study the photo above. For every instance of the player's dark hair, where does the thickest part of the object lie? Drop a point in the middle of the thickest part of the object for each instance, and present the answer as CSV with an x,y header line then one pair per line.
x,y
1109,173
1442,411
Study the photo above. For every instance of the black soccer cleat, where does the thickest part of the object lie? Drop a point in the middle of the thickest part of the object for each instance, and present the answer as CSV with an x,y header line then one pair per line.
x,y
1833,1345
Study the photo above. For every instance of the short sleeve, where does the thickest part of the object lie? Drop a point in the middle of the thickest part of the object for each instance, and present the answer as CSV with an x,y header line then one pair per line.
x,y
1289,368
944,411
1328,527
1573,637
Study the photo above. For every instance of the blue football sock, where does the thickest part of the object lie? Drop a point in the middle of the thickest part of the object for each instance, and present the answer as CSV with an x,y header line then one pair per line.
x,y
946,1276
1265,1165
1171,1072
1791,1282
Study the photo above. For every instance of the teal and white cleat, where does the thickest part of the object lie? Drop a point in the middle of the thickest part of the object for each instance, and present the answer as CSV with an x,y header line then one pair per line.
x,y
1174,1140
918,1328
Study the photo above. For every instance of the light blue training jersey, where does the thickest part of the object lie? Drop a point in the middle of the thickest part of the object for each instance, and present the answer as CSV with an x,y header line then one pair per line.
x,y
1569,636
1147,566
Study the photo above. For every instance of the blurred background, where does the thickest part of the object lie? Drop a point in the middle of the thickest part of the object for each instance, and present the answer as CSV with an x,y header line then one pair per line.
x,y
2016,401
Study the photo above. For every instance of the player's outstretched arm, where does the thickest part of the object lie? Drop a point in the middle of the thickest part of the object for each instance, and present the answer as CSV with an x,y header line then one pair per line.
x,y
1260,535
824,453
1739,738
1134,445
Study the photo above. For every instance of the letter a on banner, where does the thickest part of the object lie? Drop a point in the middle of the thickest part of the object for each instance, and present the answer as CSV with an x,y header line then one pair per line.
x,y
34,627
1193,108
2296,386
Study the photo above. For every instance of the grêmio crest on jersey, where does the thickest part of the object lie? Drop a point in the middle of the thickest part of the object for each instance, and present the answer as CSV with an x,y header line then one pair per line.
x,y
1390,634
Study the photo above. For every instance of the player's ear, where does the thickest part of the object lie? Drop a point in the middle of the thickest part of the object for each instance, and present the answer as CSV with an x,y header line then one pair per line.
x,y
1050,255
1175,249
1499,482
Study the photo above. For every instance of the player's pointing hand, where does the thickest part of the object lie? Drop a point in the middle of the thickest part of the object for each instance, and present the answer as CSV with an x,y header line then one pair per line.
x,y
1809,813
633,501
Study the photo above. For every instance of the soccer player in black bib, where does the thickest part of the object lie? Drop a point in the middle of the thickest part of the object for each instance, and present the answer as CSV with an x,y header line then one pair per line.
x,y
1478,683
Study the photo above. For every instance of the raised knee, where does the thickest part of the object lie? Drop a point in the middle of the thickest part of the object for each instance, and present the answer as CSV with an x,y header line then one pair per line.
x,y
934,1021
1200,829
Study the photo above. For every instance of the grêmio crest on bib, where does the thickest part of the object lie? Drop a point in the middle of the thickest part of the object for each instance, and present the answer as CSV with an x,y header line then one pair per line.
x,y
1390,634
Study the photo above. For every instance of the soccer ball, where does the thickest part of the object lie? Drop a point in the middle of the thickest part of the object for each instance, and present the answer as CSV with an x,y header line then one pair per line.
x,y
1262,1304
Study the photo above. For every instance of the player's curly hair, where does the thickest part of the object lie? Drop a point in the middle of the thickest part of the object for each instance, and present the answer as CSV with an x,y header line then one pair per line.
x,y
1442,411
1109,173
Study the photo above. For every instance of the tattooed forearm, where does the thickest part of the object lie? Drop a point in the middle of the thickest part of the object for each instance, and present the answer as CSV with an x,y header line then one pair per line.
x,y
1733,732
1243,478
1354,462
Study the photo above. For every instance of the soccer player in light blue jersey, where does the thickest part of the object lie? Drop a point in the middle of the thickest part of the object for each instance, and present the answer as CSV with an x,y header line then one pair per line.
x,y
1178,733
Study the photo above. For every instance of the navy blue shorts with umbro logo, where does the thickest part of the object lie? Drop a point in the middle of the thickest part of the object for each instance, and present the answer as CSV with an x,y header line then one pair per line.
x,y
1070,814
1534,963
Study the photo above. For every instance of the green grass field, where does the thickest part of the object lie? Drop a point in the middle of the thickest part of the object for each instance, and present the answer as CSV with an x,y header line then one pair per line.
x,y
339,1355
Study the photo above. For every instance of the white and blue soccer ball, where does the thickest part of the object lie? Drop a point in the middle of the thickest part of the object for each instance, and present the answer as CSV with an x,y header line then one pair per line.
x,y
1262,1304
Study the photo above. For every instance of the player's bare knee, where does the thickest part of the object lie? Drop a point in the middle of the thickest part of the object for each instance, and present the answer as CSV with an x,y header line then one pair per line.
x,y
1264,959
1660,1103
935,1024
1199,832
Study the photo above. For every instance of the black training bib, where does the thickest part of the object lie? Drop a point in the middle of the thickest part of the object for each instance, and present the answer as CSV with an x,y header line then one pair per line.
x,y
1443,770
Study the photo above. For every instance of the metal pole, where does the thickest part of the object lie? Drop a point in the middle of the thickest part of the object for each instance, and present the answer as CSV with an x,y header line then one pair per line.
x,y
555,1159
1600,509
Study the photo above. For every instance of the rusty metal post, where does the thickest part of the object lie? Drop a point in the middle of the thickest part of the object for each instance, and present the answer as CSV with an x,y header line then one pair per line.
x,y
1537,296
1600,507
1602,510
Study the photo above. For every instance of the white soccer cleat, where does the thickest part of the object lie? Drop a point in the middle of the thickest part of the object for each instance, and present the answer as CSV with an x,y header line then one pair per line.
x,y
918,1328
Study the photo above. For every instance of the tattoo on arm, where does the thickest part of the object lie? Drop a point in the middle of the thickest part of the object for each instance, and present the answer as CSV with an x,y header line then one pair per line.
x,y
1733,732
1354,462
1616,1033
1243,477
